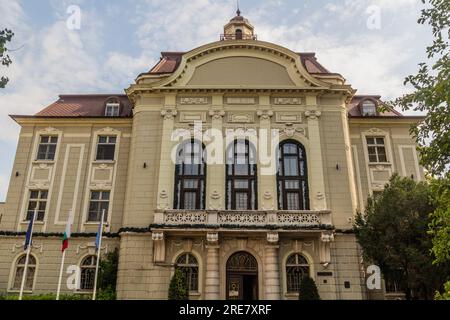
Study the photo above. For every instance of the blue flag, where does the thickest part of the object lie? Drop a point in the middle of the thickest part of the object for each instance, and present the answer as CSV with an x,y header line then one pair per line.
x,y
98,236
28,234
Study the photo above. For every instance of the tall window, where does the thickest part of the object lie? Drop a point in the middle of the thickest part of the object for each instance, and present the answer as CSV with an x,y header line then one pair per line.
x,y
106,147
190,173
37,200
368,108
112,109
188,264
292,177
296,267
376,149
19,270
238,34
99,202
47,148
241,176
87,273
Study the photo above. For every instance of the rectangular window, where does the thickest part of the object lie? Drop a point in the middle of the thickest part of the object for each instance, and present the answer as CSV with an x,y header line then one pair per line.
x,y
241,200
376,149
47,148
37,200
99,202
112,110
106,147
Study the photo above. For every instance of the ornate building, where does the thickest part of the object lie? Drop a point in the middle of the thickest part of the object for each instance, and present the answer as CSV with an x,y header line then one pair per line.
x,y
247,227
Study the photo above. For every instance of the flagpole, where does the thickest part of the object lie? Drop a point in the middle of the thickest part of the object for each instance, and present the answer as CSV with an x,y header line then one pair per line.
x,y
24,275
98,256
60,274
62,260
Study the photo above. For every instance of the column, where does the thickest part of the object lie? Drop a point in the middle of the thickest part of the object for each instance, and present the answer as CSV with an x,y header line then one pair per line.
x,y
167,166
315,163
215,187
212,280
272,268
267,163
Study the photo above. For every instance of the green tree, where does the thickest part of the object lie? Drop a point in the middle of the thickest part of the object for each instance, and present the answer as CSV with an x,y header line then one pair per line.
x,y
308,289
178,289
393,234
107,276
431,94
5,36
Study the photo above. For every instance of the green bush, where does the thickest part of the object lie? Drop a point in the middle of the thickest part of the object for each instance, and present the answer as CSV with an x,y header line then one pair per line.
x,y
308,289
46,296
107,276
178,289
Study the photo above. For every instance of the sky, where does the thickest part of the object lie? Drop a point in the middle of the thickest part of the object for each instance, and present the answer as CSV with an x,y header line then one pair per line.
x,y
374,44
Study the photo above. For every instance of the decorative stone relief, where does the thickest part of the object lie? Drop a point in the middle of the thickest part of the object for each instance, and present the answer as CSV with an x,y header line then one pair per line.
x,y
238,100
324,248
192,116
288,117
290,130
267,195
216,114
185,217
244,217
320,195
240,117
159,247
163,194
215,195
287,100
299,218
169,114
265,114
313,115
194,100
212,237
272,237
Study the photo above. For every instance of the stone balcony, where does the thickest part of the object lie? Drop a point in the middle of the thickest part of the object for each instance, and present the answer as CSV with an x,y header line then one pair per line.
x,y
267,219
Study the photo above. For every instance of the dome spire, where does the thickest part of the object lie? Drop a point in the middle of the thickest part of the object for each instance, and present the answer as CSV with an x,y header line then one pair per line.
x,y
239,28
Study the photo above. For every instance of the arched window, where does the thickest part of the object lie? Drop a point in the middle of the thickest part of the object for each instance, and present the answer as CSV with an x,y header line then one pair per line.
x,y
292,177
241,176
19,270
190,174
188,264
238,34
296,267
88,273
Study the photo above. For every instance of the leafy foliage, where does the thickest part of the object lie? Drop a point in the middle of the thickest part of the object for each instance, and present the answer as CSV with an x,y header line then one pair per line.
x,y
5,36
432,91
178,289
308,289
107,276
393,235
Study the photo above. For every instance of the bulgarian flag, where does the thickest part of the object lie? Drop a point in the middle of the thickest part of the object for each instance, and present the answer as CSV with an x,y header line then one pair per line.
x,y
66,236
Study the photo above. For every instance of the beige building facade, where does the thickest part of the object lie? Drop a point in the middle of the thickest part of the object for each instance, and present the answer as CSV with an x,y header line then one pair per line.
x,y
241,162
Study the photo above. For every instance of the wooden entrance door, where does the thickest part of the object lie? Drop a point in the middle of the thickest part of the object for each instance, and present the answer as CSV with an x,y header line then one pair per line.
x,y
242,277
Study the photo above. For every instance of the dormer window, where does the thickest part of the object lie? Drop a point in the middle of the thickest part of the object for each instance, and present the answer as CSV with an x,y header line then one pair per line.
x,y
368,108
112,109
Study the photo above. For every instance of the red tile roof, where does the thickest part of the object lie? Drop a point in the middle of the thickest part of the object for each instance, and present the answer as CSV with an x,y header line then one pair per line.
x,y
89,105
355,111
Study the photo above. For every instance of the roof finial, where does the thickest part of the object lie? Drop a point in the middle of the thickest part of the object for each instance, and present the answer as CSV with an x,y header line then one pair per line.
x,y
238,12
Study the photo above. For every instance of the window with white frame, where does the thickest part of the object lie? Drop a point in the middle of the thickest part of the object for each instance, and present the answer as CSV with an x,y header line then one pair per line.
x,y
99,201
47,148
376,149
368,108
19,270
87,274
112,109
37,200
106,147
